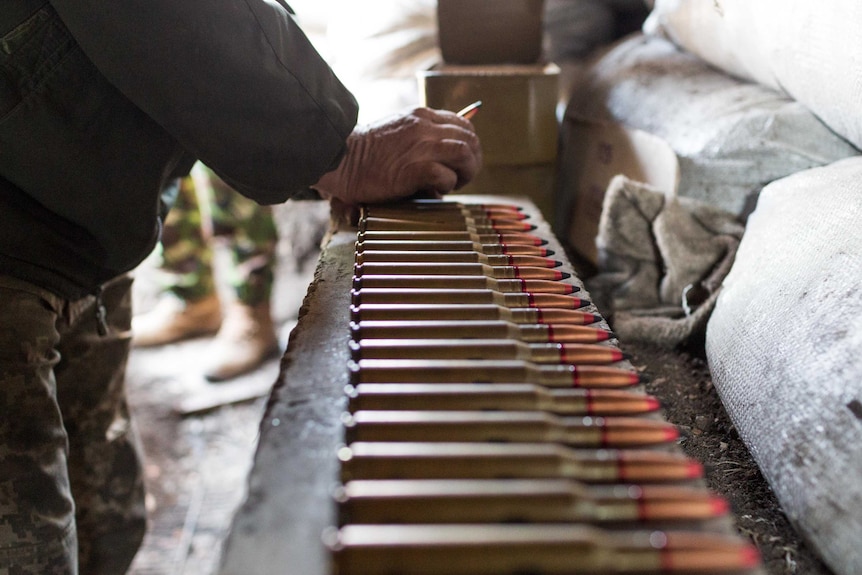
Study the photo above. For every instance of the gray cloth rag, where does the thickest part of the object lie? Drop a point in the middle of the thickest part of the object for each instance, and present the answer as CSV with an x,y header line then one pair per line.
x,y
661,262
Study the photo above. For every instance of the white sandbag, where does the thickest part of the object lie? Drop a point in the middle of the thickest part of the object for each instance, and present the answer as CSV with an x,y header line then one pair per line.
x,y
810,50
731,137
785,348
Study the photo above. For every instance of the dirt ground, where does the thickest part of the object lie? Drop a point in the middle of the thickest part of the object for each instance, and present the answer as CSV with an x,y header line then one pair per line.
x,y
196,464
683,383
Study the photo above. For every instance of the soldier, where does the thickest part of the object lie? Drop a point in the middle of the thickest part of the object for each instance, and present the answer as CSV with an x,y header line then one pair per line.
x,y
102,104
245,331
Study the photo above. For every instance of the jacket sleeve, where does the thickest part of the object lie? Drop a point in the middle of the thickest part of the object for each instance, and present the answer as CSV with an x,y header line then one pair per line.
x,y
236,82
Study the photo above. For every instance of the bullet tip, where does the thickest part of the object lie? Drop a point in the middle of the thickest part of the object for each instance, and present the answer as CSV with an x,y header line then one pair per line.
x,y
750,556
719,506
694,470
653,404
603,335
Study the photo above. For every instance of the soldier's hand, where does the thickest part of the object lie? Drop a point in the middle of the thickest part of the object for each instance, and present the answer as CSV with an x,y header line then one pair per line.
x,y
423,151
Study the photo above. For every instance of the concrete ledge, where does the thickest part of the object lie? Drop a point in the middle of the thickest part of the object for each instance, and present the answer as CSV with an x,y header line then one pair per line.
x,y
278,528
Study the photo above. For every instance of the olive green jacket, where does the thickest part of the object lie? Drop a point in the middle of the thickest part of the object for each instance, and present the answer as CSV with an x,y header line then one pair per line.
x,y
103,102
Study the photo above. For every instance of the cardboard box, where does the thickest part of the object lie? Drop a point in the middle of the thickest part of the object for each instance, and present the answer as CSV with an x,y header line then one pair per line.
x,y
517,123
490,32
592,153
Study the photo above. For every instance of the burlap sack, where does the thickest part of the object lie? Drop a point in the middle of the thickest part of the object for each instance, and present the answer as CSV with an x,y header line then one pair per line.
x,y
662,260
785,348
731,137
810,50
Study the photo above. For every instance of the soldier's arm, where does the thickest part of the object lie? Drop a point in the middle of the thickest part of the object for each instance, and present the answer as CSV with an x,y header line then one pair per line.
x,y
235,81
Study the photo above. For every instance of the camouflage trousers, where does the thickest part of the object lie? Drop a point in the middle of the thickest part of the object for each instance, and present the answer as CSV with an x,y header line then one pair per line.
x,y
206,207
71,489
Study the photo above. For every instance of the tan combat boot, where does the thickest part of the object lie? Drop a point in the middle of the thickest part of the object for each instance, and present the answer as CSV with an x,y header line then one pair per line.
x,y
173,319
246,339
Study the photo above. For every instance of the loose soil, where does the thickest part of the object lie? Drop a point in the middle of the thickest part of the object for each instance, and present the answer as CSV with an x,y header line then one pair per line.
x,y
682,382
